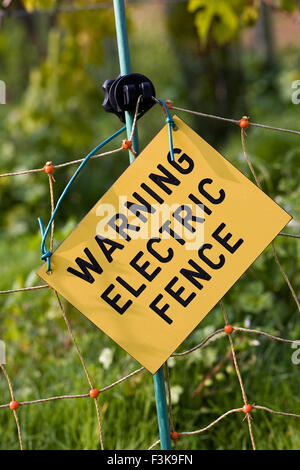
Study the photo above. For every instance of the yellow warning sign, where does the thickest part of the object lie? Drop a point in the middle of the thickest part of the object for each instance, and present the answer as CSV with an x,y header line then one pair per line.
x,y
163,245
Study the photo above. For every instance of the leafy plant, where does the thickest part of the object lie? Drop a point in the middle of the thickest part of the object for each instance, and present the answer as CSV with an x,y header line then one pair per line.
x,y
222,21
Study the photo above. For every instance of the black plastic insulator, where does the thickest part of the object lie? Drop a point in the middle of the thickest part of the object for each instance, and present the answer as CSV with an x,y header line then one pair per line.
x,y
122,94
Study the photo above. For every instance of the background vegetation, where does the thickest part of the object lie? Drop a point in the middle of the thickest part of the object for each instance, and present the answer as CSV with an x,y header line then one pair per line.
x,y
228,57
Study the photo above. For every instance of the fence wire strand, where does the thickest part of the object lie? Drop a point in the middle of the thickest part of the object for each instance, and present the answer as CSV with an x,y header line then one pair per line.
x,y
83,365
212,337
283,273
239,376
60,165
13,399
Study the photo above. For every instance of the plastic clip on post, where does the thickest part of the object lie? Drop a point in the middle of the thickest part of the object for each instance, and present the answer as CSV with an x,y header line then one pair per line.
x,y
122,94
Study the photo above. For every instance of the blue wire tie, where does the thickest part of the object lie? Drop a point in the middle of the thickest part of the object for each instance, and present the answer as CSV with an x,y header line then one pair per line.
x,y
171,124
45,254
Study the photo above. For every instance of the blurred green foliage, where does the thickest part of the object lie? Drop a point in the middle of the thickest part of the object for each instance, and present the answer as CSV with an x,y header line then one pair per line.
x,y
223,21
54,71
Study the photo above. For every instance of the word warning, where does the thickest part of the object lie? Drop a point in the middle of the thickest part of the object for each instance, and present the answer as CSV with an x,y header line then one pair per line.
x,y
163,245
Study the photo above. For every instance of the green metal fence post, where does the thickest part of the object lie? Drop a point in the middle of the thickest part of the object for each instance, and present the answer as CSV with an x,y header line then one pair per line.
x,y
162,409
125,68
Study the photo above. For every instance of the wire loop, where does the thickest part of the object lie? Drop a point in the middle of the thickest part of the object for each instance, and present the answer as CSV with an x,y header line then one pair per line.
x,y
45,253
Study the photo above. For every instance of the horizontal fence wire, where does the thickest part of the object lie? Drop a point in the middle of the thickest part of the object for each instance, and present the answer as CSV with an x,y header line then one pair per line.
x,y
229,330
61,165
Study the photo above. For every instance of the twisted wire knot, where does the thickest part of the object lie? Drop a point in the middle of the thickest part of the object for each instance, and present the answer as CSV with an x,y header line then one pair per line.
x,y
46,255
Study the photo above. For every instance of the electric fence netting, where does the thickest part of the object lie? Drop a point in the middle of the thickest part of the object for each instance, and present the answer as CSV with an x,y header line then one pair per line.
x,y
229,330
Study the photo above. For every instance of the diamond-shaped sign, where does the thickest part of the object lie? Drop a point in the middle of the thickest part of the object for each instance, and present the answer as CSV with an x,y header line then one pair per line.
x,y
163,245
